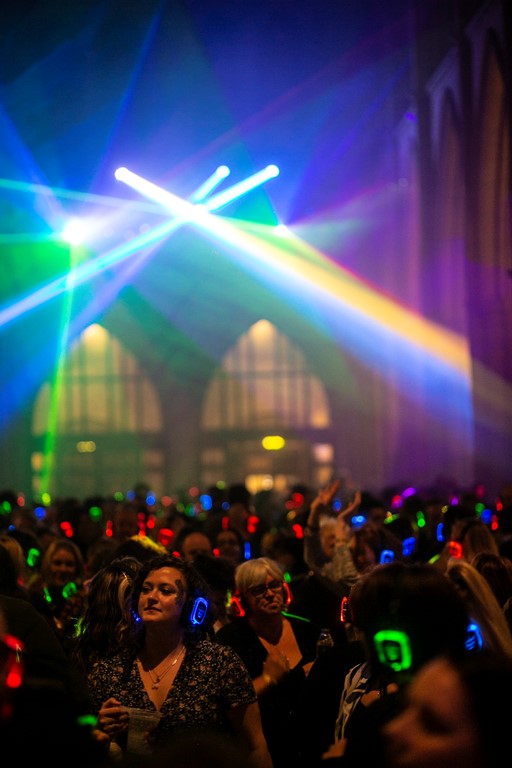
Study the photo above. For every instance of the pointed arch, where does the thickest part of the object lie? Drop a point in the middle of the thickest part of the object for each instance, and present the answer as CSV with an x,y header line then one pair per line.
x,y
263,386
103,424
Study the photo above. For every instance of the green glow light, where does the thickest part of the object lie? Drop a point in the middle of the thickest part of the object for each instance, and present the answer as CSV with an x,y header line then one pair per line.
x,y
393,649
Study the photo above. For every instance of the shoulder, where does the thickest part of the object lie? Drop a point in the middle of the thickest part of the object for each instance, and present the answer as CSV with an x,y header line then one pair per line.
x,y
119,663
237,629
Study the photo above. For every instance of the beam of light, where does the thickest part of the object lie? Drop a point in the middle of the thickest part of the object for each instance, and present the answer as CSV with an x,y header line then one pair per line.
x,y
177,205
186,210
28,237
366,320
242,188
85,271
210,184
74,232
83,197
361,314
56,389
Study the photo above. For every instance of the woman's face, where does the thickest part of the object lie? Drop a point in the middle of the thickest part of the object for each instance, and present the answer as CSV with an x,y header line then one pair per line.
x,y
436,729
162,596
62,568
229,546
267,596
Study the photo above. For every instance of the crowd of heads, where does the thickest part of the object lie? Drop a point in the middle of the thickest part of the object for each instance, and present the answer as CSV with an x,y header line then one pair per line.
x,y
434,576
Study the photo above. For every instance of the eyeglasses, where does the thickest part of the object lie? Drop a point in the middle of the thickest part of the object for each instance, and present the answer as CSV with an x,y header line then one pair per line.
x,y
260,589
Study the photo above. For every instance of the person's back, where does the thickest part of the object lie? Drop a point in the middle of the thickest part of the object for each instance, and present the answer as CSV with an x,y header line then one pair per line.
x,y
317,712
405,615
48,711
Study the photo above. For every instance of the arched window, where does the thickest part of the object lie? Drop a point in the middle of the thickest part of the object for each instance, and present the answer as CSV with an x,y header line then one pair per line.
x,y
264,387
91,423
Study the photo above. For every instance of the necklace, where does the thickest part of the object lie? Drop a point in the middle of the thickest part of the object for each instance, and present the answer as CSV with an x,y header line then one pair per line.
x,y
156,678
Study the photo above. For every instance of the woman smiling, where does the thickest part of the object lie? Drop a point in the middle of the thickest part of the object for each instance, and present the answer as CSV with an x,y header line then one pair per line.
x,y
196,685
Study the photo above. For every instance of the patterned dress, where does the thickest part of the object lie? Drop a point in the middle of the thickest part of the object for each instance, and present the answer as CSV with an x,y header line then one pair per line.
x,y
210,681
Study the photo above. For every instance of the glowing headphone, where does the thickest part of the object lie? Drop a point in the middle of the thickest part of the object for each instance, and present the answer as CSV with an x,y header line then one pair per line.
x,y
455,549
198,611
345,615
474,639
393,649
394,646
235,601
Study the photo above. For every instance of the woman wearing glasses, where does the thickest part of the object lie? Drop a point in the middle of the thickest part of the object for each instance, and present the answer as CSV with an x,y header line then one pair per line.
x,y
278,650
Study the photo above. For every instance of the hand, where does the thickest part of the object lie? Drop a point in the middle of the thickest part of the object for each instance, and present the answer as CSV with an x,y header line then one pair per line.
x,y
276,665
335,750
344,514
371,696
325,496
112,718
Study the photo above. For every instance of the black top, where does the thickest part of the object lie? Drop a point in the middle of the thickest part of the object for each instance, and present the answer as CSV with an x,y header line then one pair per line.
x,y
279,704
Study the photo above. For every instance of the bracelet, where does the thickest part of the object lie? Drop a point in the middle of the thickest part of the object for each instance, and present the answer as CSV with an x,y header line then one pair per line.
x,y
267,679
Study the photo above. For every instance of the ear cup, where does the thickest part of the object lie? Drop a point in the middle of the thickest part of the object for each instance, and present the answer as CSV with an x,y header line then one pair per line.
x,y
287,594
195,611
198,611
236,605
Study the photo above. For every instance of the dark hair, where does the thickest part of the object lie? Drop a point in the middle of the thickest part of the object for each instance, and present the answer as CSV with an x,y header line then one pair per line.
x,y
497,571
185,532
218,573
416,599
106,625
454,513
195,587
378,538
238,493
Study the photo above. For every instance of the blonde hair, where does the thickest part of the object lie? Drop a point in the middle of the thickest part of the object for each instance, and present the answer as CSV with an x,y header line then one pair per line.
x,y
476,537
68,546
482,605
255,571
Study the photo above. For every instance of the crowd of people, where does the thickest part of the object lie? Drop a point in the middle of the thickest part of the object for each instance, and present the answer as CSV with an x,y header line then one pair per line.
x,y
210,615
